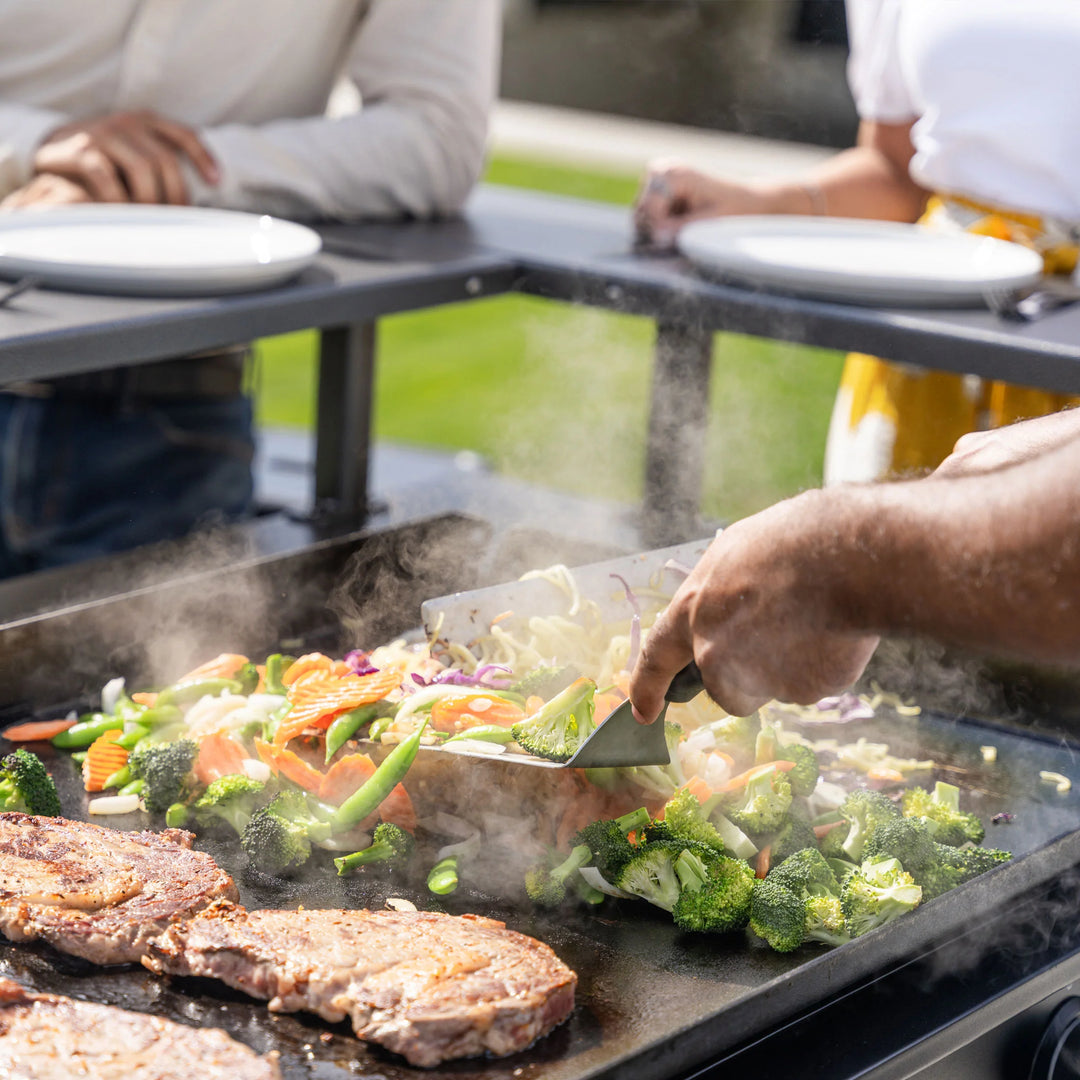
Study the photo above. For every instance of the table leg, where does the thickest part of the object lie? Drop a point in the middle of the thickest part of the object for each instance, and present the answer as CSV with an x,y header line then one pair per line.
x,y
675,453
343,429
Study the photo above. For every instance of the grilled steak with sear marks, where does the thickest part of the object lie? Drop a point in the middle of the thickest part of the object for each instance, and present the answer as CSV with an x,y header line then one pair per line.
x,y
429,987
99,893
44,1036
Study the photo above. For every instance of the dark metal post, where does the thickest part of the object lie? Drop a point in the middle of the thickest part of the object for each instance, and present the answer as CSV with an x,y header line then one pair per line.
x,y
675,454
343,429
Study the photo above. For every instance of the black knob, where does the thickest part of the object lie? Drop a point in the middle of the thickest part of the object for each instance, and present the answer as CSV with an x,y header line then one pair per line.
x,y
686,685
1058,1054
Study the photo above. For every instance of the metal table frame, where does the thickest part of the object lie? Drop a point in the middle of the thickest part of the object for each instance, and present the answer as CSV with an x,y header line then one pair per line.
x,y
546,246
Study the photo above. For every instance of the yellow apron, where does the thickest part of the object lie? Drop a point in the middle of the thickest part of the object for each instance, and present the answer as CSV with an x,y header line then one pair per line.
x,y
893,419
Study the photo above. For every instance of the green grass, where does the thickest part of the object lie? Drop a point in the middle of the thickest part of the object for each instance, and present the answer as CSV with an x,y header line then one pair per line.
x,y
558,395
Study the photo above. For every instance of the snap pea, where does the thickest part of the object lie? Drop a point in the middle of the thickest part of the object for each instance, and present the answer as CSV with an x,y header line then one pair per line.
x,y
378,726
160,714
177,815
346,726
126,709
276,666
133,733
184,693
118,779
381,782
134,788
79,757
79,736
486,733
443,876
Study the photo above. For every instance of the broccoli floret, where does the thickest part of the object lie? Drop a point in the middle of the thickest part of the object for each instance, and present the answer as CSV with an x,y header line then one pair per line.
x,y
546,884
736,736
26,786
777,914
807,873
609,843
825,920
165,768
651,875
560,726
906,839
941,812
796,834
715,892
231,799
812,891
804,776
865,810
278,837
877,893
762,805
686,819
390,843
971,861
831,844
545,681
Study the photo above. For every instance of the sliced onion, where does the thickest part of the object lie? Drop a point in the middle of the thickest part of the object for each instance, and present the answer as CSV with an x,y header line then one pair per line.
x,y
399,903
467,847
256,770
347,842
469,746
114,804
717,771
110,695
597,880
452,825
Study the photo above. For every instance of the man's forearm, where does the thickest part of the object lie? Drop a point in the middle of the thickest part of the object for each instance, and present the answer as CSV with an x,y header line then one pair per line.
x,y
990,564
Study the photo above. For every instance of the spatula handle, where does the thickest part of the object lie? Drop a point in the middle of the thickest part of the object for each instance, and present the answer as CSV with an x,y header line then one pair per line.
x,y
686,685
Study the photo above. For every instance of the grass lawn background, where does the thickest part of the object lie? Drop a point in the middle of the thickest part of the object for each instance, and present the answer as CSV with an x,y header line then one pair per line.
x,y
558,395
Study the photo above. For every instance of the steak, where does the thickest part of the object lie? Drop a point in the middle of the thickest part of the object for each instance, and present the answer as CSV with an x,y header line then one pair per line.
x,y
99,893
430,987
44,1036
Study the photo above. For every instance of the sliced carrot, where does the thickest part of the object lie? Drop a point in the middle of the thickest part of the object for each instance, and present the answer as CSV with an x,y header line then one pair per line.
x,y
103,758
145,697
290,765
737,783
260,686
344,777
605,704
699,789
397,809
37,730
884,776
312,661
763,859
533,703
224,666
824,830
462,711
219,755
315,704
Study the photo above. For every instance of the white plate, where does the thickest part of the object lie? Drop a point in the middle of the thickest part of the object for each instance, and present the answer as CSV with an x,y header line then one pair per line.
x,y
870,262
153,250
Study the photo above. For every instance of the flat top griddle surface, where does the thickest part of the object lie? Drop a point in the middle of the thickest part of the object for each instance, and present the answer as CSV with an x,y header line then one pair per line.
x,y
647,993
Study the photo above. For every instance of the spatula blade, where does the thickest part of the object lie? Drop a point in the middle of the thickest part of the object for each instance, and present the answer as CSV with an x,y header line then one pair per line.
x,y
620,740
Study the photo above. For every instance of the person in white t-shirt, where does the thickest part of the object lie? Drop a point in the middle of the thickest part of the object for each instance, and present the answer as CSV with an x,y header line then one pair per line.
x,y
968,119
220,104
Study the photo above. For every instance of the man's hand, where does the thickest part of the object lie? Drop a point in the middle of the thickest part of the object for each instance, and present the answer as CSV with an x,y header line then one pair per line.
x,y
673,194
126,157
986,451
761,616
46,190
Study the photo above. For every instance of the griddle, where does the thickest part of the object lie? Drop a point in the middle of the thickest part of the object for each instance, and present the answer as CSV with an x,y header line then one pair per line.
x,y
652,1001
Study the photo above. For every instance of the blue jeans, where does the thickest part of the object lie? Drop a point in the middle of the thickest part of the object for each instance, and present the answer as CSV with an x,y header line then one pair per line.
x,y
83,477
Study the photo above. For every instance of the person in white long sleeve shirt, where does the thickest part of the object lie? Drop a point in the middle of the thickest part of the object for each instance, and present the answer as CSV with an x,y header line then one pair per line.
x,y
209,103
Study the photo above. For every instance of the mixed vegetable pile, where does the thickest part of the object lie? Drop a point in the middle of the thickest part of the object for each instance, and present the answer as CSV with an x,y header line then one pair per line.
x,y
740,829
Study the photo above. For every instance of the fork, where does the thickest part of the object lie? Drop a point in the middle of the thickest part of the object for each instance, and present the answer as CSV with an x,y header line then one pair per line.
x,y
17,288
1027,305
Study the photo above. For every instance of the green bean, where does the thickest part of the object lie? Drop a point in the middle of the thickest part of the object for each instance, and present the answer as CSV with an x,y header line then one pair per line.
x,y
381,782
378,726
443,877
486,733
117,779
345,727
79,757
134,788
185,692
133,734
79,736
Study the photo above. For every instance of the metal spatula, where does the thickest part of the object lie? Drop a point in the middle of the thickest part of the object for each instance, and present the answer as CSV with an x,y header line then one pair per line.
x,y
620,740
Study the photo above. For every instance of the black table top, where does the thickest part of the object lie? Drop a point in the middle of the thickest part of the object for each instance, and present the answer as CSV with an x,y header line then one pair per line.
x,y
516,240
